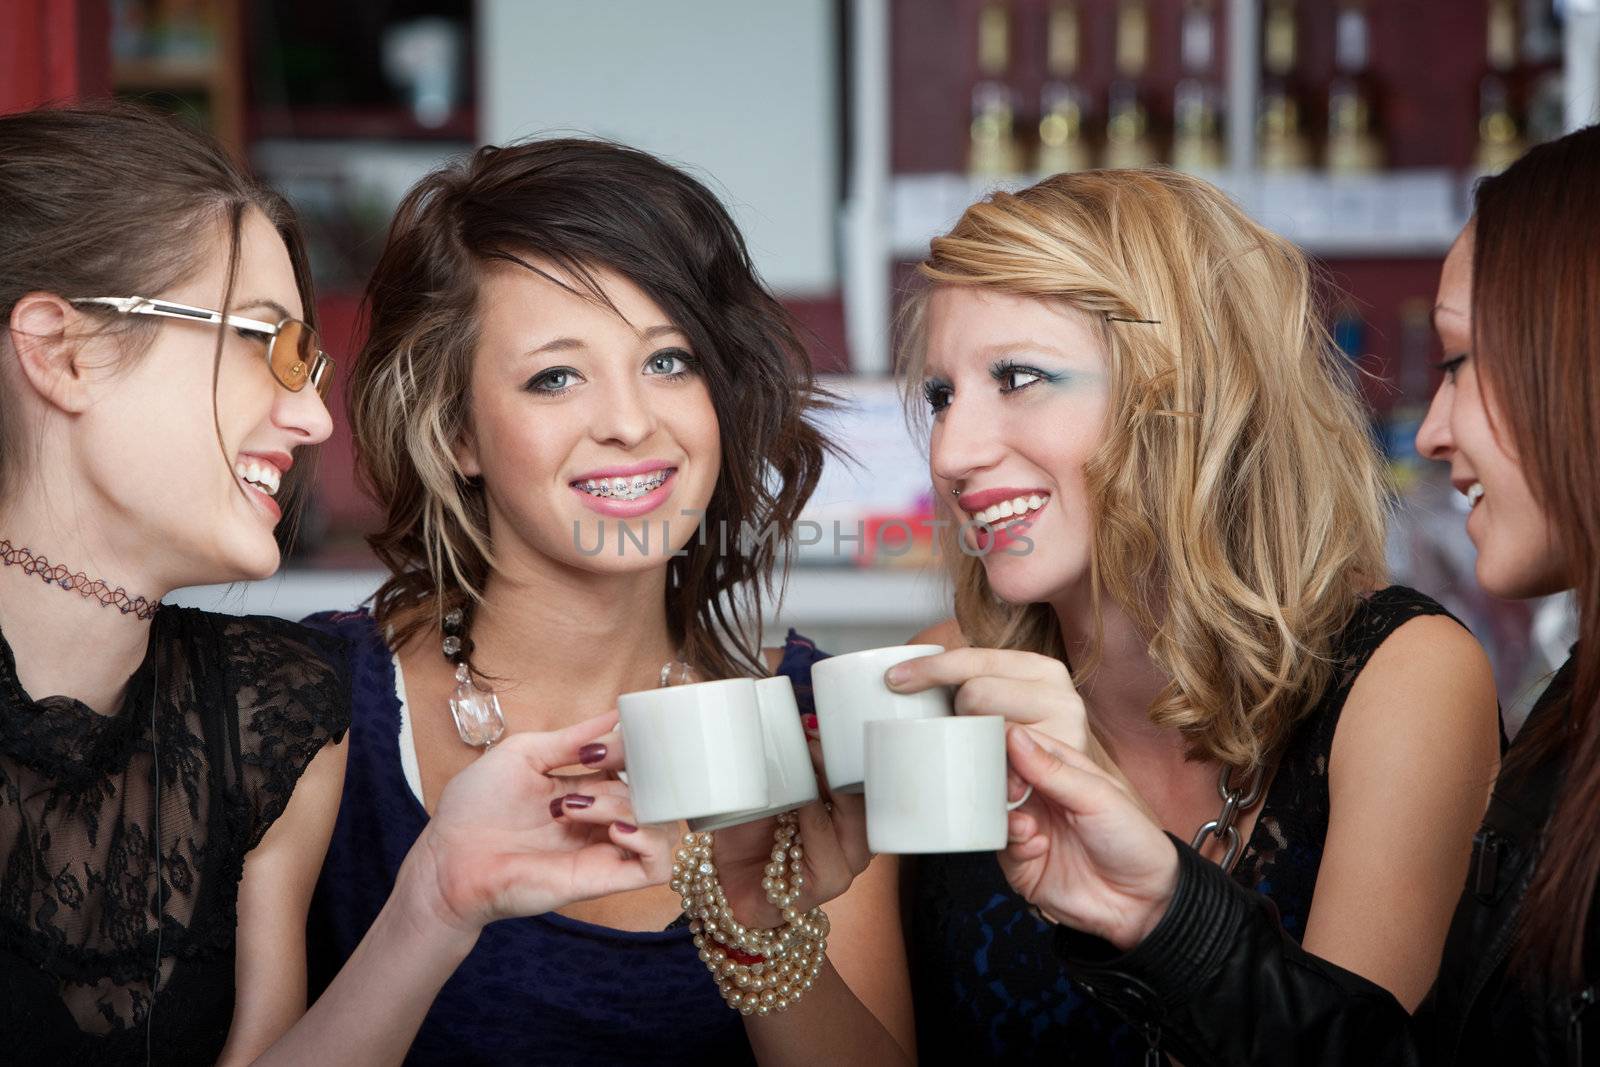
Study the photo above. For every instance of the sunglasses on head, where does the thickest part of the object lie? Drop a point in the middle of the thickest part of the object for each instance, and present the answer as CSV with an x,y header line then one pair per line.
x,y
292,345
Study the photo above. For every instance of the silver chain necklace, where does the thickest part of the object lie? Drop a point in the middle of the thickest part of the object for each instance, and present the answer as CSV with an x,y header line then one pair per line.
x,y
1225,828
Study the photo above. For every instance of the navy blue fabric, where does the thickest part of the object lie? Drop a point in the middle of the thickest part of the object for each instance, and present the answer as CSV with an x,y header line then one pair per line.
x,y
540,990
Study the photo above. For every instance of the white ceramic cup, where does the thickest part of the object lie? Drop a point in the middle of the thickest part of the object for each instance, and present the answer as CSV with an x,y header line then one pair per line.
x,y
937,785
694,751
791,780
850,693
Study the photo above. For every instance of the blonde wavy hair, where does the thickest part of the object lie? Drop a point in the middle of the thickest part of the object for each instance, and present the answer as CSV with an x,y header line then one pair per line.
x,y
1238,499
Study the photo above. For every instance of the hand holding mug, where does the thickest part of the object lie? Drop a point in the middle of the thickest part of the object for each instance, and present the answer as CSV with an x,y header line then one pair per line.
x,y
833,837
1081,849
1022,687
833,853
509,840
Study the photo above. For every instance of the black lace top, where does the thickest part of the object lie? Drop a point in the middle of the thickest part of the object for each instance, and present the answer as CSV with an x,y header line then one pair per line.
x,y
987,986
240,706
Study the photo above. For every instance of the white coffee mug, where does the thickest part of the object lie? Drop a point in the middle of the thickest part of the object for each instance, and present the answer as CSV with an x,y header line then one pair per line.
x,y
791,780
850,693
694,751
937,785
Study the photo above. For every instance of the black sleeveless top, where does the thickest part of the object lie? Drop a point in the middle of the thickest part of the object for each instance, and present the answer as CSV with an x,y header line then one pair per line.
x,y
241,705
988,987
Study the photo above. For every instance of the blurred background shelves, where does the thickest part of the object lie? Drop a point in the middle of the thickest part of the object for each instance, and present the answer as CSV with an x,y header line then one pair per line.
x,y
1411,213
838,608
843,135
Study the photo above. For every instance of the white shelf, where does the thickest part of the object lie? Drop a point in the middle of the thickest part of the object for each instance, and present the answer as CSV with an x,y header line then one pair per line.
x,y
816,597
1395,213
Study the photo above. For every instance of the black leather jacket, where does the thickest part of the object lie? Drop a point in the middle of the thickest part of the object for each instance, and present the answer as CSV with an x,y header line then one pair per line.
x,y
1218,982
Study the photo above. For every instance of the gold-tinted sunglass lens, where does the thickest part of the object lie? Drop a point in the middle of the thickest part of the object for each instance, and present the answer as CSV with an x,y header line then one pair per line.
x,y
293,351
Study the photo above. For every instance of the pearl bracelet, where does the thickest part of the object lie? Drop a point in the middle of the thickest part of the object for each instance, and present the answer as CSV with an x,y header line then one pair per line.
x,y
791,955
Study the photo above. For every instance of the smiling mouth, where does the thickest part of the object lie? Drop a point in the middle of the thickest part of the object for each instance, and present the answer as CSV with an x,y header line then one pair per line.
x,y
625,488
260,476
1008,512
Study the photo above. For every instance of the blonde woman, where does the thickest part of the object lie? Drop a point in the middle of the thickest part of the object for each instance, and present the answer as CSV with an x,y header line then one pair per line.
x,y
1180,568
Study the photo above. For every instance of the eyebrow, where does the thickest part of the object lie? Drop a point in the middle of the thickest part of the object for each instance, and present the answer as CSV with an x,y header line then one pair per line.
x,y
1445,308
271,305
567,344
1016,348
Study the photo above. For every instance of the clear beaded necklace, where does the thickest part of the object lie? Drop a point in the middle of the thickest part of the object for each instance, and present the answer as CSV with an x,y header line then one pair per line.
x,y
476,710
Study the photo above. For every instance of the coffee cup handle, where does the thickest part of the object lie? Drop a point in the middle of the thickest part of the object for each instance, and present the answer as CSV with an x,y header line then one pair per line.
x,y
1013,805
622,772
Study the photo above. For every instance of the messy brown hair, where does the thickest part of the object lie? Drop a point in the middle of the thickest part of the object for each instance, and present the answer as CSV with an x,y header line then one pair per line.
x,y
579,205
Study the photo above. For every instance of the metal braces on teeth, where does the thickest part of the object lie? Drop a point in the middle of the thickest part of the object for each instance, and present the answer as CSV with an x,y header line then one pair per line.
x,y
630,491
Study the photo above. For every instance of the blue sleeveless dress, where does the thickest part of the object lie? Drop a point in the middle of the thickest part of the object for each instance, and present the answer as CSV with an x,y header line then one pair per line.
x,y
540,990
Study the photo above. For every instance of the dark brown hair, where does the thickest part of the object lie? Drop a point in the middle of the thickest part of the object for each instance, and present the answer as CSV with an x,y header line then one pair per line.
x,y
118,200
1536,339
580,205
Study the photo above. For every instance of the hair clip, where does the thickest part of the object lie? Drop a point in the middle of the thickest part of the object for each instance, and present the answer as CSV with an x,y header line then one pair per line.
x,y
1145,322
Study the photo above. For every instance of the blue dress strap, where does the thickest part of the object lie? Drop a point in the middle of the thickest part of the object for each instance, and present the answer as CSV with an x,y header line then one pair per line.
x,y
799,653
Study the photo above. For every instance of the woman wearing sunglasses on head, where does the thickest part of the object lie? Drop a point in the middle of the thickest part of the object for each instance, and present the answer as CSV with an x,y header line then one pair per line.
x,y
169,777
589,426
1158,473
1154,931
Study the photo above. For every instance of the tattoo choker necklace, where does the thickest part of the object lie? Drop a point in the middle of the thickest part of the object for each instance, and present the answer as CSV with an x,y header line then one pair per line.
x,y
476,710
89,588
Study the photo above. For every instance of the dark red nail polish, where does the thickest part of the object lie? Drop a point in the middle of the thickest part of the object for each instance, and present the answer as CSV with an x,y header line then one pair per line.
x,y
625,827
555,807
577,800
592,753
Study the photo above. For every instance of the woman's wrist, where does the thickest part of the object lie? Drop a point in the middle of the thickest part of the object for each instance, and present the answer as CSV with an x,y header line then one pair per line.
x,y
420,905
1160,904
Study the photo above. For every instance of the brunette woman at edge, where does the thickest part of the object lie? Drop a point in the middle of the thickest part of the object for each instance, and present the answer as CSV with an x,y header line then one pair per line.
x,y
1150,929
166,797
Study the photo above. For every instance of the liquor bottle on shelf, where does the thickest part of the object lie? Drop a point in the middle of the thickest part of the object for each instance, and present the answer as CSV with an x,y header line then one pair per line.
x,y
1281,139
1129,141
1413,376
1063,105
1353,146
1398,426
1545,108
1196,105
1499,133
992,144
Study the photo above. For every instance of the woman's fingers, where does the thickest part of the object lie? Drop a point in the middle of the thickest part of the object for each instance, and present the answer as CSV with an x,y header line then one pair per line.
x,y
959,665
604,753
542,881
818,838
650,845
594,808
1025,850
545,750
1021,825
1055,710
1057,771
